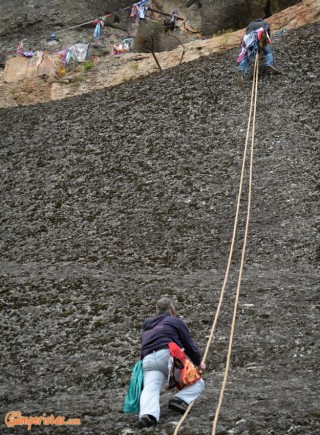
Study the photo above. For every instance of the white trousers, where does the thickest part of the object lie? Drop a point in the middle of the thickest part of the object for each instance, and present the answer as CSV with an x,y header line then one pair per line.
x,y
155,374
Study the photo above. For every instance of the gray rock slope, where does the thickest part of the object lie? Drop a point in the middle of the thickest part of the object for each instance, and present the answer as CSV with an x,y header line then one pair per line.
x,y
38,17
110,200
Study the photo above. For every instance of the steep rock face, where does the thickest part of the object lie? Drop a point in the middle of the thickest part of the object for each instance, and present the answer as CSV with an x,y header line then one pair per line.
x,y
113,70
112,199
214,15
39,16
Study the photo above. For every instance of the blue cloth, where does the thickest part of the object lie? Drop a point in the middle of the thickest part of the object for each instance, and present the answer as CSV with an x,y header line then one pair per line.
x,y
132,399
252,45
267,51
97,30
159,331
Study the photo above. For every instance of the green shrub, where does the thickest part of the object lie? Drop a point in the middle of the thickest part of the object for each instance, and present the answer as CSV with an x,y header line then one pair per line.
x,y
134,66
88,65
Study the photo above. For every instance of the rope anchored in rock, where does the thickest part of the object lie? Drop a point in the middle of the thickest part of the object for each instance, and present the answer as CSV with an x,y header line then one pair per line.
x,y
253,105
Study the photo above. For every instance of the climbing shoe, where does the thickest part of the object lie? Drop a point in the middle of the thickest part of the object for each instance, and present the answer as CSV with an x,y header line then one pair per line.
x,y
240,78
272,70
146,421
178,405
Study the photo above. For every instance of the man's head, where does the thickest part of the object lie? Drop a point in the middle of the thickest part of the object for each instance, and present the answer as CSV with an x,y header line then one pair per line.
x,y
165,306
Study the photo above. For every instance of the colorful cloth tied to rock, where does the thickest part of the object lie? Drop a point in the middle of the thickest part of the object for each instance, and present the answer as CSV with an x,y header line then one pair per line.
x,y
250,44
97,30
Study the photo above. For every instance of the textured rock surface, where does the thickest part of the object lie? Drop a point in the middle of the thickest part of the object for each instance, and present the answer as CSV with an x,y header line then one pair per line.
x,y
113,199
213,15
113,70
36,16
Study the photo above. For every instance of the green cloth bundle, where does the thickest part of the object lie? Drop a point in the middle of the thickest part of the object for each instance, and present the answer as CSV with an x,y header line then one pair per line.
x,y
132,399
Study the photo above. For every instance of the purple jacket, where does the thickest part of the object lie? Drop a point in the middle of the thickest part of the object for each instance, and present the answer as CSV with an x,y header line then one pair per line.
x,y
159,331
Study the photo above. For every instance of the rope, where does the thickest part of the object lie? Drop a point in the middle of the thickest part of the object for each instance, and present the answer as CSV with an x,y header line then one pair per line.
x,y
183,418
253,98
90,22
123,9
74,27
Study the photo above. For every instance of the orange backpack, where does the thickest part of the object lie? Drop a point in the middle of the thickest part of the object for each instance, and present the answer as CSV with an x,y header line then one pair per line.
x,y
183,371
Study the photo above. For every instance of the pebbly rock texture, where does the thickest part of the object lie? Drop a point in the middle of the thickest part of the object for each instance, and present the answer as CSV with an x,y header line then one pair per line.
x,y
38,15
113,199
38,84
35,20
212,16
